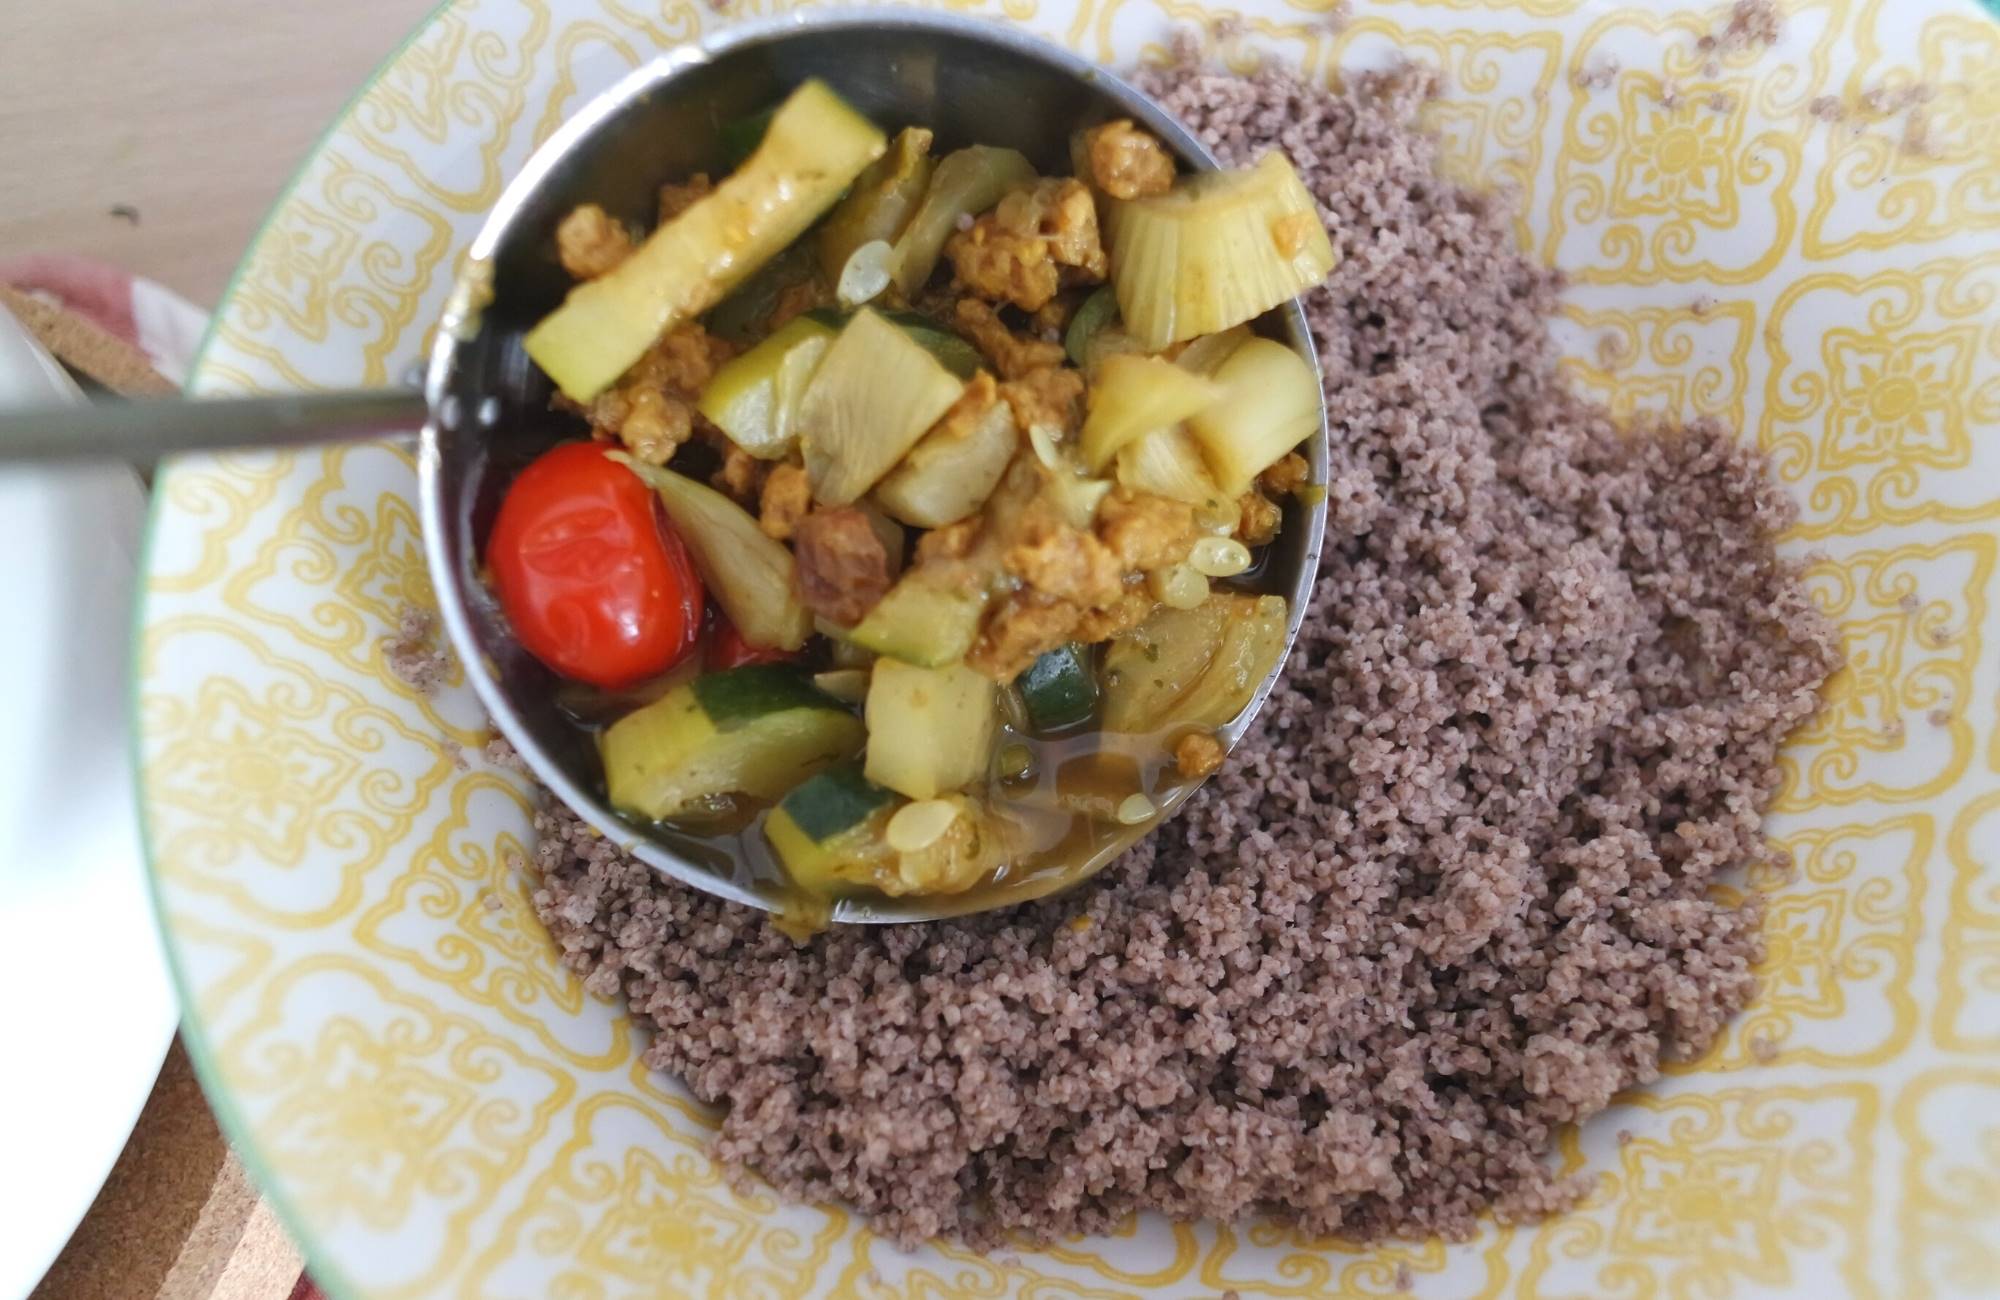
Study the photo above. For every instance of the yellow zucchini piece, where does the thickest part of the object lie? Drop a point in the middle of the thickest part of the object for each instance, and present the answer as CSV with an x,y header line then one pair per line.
x,y
1270,404
814,147
754,398
1218,249
930,730
884,198
875,393
923,622
1133,395
758,730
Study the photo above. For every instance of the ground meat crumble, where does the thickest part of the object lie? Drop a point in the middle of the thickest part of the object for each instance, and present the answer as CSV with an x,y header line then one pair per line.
x,y
1450,894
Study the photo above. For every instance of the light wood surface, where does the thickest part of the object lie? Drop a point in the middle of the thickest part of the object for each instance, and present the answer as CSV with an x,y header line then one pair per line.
x,y
192,113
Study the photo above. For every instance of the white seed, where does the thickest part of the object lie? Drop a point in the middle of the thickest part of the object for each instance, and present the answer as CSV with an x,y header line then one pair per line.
x,y
1219,557
1178,586
918,825
1135,808
866,273
1043,440
848,685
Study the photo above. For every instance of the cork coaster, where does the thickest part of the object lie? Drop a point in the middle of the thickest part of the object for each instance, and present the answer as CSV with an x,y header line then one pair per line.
x,y
86,347
178,1218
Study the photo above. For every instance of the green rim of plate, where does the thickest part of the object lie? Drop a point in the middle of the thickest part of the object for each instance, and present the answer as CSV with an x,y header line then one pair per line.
x,y
319,1265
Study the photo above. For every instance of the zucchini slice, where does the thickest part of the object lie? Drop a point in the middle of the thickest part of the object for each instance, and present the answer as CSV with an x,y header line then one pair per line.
x,y
1059,688
833,836
923,622
828,831
884,198
930,730
757,730
1096,315
815,145
754,398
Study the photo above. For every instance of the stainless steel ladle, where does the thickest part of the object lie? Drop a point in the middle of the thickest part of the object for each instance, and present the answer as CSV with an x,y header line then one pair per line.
x,y
485,407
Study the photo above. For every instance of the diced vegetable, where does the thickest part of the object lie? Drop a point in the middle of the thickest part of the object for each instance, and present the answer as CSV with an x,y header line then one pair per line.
x,y
1168,463
727,649
949,475
755,397
835,836
1059,688
1270,404
1217,250
923,621
951,351
930,730
749,574
828,831
1152,666
814,146
1207,353
757,730
742,316
848,685
967,182
592,584
1096,314
1250,648
1134,395
1192,667
874,394
971,845
884,198
740,136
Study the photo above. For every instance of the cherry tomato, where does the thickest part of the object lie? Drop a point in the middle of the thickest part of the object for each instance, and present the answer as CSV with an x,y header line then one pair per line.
x,y
594,579
728,649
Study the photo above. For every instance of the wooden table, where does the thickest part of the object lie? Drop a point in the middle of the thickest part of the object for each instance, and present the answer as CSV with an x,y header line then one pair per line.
x,y
155,133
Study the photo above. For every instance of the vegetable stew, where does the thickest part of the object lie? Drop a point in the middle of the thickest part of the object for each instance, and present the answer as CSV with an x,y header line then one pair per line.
x,y
915,546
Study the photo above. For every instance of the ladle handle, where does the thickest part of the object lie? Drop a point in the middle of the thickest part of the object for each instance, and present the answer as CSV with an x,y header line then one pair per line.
x,y
146,430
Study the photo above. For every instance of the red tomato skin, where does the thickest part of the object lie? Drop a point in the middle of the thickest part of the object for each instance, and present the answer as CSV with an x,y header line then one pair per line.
x,y
728,649
595,581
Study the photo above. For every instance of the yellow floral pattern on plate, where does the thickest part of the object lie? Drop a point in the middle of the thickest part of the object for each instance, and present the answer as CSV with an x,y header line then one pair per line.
x,y
1797,241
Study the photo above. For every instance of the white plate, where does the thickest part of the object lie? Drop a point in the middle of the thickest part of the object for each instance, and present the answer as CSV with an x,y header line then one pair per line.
x,y
88,1009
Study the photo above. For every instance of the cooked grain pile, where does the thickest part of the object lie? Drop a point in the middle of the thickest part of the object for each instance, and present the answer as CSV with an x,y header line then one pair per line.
x,y
1451,894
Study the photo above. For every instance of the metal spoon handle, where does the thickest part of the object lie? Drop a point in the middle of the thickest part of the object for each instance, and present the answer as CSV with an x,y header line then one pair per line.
x,y
146,430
